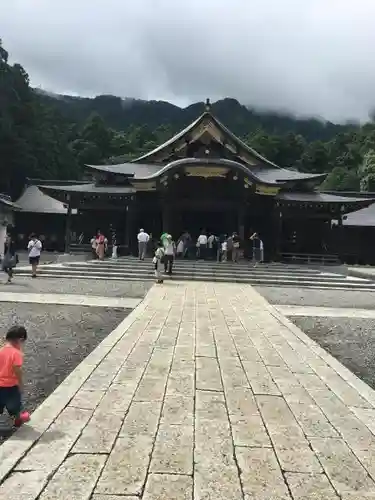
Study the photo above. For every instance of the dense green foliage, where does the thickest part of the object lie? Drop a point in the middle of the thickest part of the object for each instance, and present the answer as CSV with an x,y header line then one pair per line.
x,y
52,137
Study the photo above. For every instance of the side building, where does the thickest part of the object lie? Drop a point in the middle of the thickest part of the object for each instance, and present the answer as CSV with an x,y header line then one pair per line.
x,y
207,178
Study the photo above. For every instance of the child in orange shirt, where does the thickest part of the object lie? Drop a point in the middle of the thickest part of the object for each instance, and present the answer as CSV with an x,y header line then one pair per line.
x,y
11,360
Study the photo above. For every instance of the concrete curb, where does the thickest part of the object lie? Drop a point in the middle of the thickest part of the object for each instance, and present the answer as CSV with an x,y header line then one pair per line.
x,y
15,448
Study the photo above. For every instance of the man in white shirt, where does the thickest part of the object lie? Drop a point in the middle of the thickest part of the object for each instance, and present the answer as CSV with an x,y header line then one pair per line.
x,y
143,239
202,245
34,248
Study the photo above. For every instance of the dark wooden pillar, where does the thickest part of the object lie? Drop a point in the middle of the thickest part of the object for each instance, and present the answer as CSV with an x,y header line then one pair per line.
x,y
68,225
166,217
241,221
130,229
278,225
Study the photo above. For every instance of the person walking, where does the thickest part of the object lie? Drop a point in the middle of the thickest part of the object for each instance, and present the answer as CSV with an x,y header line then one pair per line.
x,y
157,261
169,253
10,259
35,249
224,251
143,238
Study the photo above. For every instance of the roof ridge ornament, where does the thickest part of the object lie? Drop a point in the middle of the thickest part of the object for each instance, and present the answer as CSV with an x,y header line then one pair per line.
x,y
208,105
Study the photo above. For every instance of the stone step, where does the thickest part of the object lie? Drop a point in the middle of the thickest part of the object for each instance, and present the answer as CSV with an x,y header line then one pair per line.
x,y
254,273
340,282
219,268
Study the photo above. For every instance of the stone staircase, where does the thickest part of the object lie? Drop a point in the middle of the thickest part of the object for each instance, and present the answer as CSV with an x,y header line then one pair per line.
x,y
272,274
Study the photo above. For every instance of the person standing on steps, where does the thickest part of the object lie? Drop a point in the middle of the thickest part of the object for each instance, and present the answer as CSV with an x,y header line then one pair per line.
x,y
101,245
169,253
143,238
236,247
35,249
157,261
202,245
258,249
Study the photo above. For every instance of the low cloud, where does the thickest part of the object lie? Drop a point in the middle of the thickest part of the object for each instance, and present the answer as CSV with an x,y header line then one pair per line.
x,y
307,57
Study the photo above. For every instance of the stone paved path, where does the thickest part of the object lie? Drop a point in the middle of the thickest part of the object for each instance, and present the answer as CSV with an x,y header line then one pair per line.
x,y
204,392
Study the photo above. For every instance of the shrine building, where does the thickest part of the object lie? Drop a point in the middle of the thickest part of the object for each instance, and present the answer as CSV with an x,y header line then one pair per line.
x,y
207,178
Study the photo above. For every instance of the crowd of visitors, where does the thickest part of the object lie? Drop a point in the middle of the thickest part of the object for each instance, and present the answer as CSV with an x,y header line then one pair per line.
x,y
221,248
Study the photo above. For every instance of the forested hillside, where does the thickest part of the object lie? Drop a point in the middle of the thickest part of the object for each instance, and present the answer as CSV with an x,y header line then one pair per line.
x,y
52,137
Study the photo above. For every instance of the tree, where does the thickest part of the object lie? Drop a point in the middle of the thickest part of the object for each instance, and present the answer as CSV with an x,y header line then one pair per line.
x,y
367,172
341,179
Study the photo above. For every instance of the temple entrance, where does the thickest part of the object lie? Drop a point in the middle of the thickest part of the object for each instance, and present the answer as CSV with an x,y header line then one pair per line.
x,y
215,221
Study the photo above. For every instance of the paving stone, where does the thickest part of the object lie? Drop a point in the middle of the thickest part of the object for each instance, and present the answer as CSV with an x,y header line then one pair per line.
x,y
181,383
249,431
173,452
312,420
168,487
300,458
222,483
141,420
76,478
87,400
280,422
261,476
260,380
213,445
208,374
126,469
241,402
151,389
177,410
52,448
355,433
342,467
233,373
210,406
99,434
26,485
310,486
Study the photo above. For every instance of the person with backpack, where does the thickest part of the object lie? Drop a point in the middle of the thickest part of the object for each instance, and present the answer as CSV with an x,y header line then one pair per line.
x,y
158,261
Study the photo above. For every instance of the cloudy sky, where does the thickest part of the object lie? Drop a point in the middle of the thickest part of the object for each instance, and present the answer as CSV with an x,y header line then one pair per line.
x,y
314,57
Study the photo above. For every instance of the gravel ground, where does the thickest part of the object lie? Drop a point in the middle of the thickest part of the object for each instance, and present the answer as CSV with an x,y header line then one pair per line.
x,y
101,288
320,298
351,341
59,339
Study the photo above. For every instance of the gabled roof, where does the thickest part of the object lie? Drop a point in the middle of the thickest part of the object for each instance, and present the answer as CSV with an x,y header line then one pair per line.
x,y
34,201
363,217
208,118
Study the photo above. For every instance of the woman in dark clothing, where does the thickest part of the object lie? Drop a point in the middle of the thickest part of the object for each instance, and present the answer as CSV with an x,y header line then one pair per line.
x,y
10,258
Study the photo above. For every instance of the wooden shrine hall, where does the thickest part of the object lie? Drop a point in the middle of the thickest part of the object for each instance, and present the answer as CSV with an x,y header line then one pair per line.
x,y
207,178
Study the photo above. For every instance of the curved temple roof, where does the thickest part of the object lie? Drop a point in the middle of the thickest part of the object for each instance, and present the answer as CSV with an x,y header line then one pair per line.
x,y
154,163
266,175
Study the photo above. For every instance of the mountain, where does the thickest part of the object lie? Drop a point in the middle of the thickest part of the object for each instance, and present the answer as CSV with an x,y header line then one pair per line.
x,y
121,114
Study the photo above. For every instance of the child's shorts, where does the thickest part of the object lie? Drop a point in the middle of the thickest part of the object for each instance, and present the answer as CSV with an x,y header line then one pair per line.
x,y
10,399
